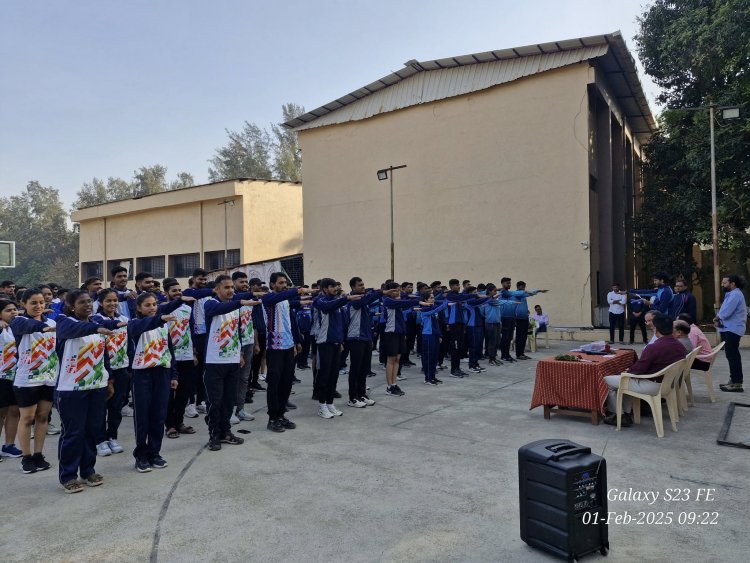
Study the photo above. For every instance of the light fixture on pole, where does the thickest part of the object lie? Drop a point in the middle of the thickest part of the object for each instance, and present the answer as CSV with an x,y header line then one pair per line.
x,y
383,174
727,112
225,203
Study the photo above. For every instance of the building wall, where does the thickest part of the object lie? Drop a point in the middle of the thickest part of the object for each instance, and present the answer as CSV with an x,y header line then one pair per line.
x,y
273,219
192,221
496,185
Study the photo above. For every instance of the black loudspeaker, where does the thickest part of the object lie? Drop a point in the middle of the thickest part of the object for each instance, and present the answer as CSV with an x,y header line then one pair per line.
x,y
563,498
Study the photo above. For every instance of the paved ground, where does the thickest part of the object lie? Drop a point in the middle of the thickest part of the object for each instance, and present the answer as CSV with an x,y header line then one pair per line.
x,y
431,476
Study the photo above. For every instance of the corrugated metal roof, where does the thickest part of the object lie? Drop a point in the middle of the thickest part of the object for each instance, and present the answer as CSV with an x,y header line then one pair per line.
x,y
429,81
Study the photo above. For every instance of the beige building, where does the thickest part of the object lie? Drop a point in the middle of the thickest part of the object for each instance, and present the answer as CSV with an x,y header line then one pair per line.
x,y
172,233
520,162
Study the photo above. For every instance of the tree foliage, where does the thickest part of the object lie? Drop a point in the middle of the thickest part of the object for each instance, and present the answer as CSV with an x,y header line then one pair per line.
x,y
698,51
146,180
46,246
253,152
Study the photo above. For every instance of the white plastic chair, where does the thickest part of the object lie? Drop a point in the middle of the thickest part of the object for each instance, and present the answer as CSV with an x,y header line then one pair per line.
x,y
682,402
711,358
667,390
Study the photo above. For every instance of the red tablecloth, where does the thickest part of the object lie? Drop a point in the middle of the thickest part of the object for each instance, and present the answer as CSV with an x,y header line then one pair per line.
x,y
578,385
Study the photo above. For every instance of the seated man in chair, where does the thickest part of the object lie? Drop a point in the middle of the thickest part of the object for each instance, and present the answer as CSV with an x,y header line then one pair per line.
x,y
665,350
542,319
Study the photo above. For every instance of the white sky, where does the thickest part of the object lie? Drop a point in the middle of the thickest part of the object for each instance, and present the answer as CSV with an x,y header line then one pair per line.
x,y
100,88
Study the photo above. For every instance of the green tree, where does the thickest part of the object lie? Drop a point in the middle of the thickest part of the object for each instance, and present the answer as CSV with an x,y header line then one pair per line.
x,y
287,161
246,155
46,246
698,52
146,180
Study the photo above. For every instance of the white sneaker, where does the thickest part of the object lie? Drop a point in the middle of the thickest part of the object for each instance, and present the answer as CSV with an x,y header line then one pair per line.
x,y
52,429
333,410
190,411
323,411
357,403
201,408
367,401
115,447
103,450
261,377
242,415
234,419
127,410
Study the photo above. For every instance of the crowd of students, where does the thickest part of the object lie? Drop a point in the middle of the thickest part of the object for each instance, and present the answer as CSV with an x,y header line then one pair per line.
x,y
164,353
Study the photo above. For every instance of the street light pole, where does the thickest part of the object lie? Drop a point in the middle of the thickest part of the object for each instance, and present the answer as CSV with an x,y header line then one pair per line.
x,y
387,173
225,203
714,216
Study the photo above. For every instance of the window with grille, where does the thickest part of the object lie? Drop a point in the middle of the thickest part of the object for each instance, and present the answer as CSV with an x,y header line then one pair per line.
x,y
293,267
215,260
92,270
182,265
154,265
124,262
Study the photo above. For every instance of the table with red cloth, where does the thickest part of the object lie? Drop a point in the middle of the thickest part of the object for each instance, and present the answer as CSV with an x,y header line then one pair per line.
x,y
577,385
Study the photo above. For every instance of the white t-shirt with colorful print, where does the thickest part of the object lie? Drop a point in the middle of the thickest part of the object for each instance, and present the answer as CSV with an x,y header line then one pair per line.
x,y
82,364
223,344
8,354
37,359
179,332
152,350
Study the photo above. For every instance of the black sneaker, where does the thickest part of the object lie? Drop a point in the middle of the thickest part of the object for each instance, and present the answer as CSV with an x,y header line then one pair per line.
x,y
438,381
28,465
214,444
158,462
275,426
430,382
257,387
509,359
627,420
41,463
232,439
296,380
371,374
726,387
523,357
291,406
286,423
441,367
142,465
457,373
336,395
400,392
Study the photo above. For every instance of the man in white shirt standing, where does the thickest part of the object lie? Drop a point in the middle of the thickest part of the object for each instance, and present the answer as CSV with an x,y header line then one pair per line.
x,y
616,300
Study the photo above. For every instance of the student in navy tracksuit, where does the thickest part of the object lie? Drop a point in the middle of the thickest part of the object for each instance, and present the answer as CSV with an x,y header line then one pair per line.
x,y
117,348
508,312
330,342
456,325
282,343
222,360
393,342
475,326
431,335
82,389
201,294
359,337
151,361
304,323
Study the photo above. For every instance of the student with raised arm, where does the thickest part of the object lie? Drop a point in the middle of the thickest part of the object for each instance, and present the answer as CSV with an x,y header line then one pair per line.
x,y
36,374
83,387
117,349
9,413
223,360
330,341
151,360
282,342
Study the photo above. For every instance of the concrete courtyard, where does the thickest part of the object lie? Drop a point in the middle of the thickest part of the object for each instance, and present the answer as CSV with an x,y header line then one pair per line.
x,y
431,476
